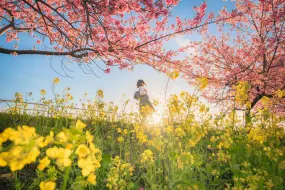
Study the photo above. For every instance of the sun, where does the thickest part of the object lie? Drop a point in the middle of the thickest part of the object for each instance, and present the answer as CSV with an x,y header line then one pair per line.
x,y
156,118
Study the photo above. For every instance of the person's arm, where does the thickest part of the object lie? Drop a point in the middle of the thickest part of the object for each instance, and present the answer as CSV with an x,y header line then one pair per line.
x,y
142,91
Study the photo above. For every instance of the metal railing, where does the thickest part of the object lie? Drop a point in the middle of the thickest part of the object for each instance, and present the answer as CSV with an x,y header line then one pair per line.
x,y
47,110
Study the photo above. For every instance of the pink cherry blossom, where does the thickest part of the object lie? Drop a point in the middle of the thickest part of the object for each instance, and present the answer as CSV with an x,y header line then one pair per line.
x,y
97,29
250,47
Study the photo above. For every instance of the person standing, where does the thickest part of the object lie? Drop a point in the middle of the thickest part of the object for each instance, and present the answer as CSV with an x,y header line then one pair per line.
x,y
143,97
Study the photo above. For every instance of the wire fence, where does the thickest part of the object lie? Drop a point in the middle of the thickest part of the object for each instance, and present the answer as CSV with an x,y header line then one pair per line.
x,y
50,110
53,110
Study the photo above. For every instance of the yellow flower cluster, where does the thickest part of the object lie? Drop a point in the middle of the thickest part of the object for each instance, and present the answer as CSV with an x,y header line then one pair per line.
x,y
169,130
47,185
266,101
252,178
147,157
140,134
202,83
89,158
120,139
179,132
223,156
282,165
257,135
146,110
175,106
119,175
55,81
185,159
60,154
74,142
273,153
241,95
196,136
43,163
225,141
100,93
43,92
280,93
25,147
173,75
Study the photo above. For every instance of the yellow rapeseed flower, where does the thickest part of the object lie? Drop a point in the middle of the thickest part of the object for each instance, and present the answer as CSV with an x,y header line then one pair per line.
x,y
63,162
147,156
6,135
100,93
80,125
142,138
3,157
82,151
25,157
15,165
62,137
69,146
63,157
44,141
173,75
24,150
22,135
52,152
214,172
120,139
43,92
179,132
91,162
242,89
281,165
169,129
191,143
87,165
55,81
32,155
202,83
120,174
89,137
125,131
43,163
92,179
47,185
269,184
94,150
119,130
16,151
213,139
280,93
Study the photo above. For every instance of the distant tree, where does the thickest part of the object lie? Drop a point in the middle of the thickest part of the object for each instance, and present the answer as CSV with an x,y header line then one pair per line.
x,y
117,32
246,54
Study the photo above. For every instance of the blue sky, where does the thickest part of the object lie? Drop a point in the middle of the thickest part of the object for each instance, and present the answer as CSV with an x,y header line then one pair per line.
x,y
31,73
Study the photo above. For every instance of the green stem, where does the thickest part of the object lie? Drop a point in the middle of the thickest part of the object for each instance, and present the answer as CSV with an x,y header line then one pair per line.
x,y
65,179
17,182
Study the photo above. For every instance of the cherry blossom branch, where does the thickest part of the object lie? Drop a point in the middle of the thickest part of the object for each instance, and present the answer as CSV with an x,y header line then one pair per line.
x,y
182,31
82,52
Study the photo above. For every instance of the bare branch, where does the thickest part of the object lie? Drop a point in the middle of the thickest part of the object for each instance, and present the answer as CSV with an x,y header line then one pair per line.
x,y
78,53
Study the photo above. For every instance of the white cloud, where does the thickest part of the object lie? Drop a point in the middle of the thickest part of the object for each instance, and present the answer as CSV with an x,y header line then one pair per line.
x,y
182,42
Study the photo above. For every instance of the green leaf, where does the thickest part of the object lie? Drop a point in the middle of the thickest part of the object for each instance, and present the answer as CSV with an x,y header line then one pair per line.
x,y
106,159
181,182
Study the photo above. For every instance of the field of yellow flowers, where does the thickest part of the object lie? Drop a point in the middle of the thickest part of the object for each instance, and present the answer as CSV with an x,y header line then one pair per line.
x,y
190,149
